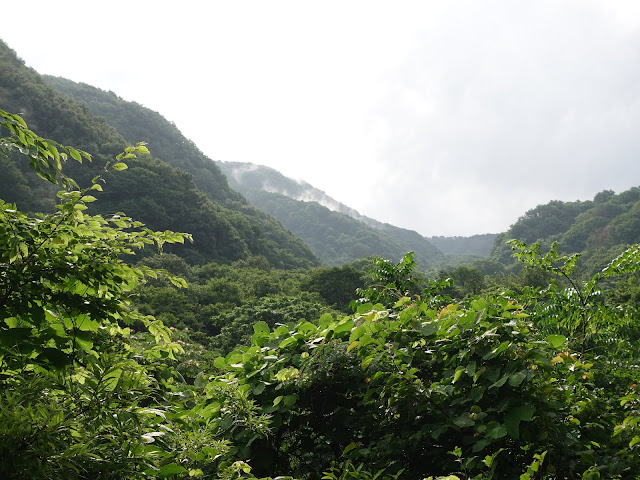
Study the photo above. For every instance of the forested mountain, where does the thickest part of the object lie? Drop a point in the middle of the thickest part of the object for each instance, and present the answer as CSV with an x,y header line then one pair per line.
x,y
238,370
599,229
139,124
480,244
225,227
336,233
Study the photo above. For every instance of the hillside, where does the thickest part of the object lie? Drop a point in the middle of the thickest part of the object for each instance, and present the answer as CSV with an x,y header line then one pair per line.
x,y
336,233
599,229
224,226
479,244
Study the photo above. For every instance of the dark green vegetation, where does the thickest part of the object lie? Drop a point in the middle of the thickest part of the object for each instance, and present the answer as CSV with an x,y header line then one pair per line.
x,y
540,383
599,229
120,360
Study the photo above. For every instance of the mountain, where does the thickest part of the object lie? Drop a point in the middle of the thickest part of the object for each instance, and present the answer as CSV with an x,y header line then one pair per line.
x,y
598,229
479,245
336,233
159,191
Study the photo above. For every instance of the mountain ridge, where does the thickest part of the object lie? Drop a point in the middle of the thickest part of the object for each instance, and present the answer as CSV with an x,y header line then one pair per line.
x,y
224,229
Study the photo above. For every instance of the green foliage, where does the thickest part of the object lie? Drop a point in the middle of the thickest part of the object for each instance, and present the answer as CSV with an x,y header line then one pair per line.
x,y
599,229
336,285
393,391
390,282
80,396
576,308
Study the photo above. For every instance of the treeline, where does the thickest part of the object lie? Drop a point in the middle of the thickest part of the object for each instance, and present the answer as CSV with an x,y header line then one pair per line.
x,y
222,302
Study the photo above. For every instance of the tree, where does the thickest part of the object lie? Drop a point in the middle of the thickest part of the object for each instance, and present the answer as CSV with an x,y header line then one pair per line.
x,y
74,389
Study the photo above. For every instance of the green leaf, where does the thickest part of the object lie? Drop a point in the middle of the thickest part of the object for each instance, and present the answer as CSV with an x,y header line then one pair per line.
x,y
428,328
170,470
516,415
344,326
74,154
120,166
364,308
556,341
348,448
261,327
83,340
517,378
259,388
286,374
352,345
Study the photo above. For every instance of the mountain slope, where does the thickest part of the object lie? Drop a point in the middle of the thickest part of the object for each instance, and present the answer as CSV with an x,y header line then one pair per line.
x,y
599,229
151,191
336,233
264,234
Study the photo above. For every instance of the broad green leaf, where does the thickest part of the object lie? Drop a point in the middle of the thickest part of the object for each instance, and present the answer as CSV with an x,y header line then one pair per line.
x,y
83,340
120,166
364,308
556,341
259,388
261,327
516,415
348,448
289,400
344,326
170,470
352,345
517,378
286,374
429,328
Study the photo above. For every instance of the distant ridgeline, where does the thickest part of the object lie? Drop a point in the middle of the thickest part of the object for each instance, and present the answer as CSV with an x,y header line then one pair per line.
x,y
599,229
336,233
159,190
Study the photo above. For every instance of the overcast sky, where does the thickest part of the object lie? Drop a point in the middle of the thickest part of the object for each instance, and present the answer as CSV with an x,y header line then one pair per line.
x,y
448,117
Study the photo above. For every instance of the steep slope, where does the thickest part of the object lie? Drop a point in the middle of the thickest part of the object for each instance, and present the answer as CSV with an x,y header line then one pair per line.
x,y
139,124
263,234
599,229
336,233
151,191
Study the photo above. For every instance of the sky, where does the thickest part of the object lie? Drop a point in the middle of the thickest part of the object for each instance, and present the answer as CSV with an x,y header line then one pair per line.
x,y
444,117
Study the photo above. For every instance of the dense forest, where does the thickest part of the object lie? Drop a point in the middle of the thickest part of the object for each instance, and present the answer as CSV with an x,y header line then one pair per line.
x,y
154,324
